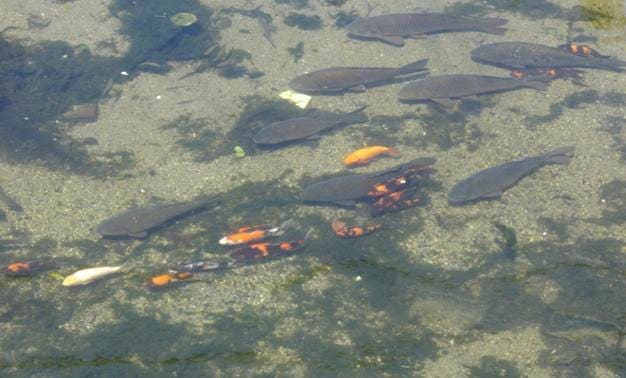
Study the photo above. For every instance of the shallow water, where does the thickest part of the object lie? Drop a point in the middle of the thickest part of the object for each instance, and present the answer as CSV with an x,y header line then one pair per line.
x,y
528,285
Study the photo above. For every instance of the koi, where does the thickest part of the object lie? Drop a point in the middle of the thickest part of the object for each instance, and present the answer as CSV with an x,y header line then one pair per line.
x,y
163,280
86,276
257,251
249,234
364,156
20,268
395,201
392,185
343,231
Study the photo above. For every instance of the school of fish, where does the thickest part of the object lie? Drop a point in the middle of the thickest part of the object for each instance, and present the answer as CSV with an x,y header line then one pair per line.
x,y
391,189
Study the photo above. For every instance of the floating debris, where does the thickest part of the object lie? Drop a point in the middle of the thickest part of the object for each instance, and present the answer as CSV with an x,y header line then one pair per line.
x,y
184,19
239,152
299,99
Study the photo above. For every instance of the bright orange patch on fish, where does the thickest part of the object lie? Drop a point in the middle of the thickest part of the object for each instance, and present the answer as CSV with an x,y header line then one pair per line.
x,y
364,155
163,280
249,234
343,231
518,74
18,267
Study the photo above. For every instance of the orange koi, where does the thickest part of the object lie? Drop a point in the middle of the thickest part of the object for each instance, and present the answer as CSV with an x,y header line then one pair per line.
x,y
166,279
364,155
249,234
18,268
22,268
343,231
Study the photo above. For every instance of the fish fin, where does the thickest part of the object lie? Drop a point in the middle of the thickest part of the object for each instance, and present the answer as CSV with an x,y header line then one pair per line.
x,y
139,235
493,25
559,156
420,65
536,84
358,89
393,152
492,195
393,40
347,203
445,102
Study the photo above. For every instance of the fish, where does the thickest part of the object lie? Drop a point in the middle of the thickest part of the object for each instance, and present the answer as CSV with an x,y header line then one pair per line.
x,y
394,201
87,276
393,28
162,280
343,231
305,127
352,79
22,268
249,234
364,155
492,182
138,222
441,89
255,252
346,190
526,55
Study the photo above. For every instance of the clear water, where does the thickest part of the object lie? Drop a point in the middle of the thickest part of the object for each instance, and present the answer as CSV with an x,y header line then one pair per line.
x,y
528,285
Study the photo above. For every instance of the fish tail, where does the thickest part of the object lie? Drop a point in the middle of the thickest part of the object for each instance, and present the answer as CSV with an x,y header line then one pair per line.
x,y
559,156
420,65
537,84
493,25
393,152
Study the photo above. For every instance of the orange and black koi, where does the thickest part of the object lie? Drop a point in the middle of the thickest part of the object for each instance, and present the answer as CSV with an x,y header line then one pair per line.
x,y
343,231
163,280
392,185
581,50
258,251
394,202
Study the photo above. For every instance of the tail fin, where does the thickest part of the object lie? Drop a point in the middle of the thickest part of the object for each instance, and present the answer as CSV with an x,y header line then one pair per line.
x,y
559,156
420,65
393,152
492,25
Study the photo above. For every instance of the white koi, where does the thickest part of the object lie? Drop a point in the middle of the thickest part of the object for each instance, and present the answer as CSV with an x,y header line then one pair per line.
x,y
86,276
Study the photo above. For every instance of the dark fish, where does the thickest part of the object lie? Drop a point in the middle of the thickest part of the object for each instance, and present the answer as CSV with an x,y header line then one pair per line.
x,y
441,88
393,28
305,127
491,182
137,222
345,190
524,55
355,79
